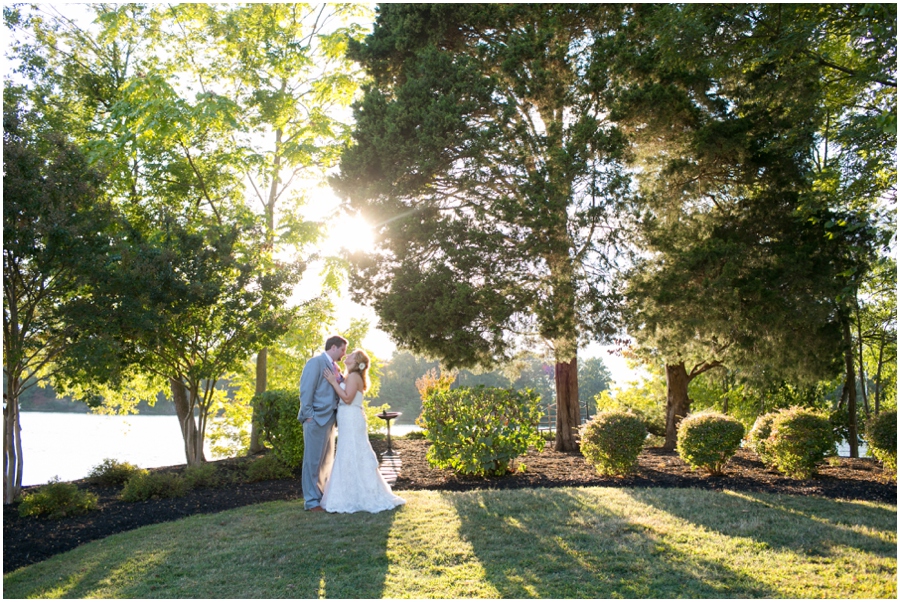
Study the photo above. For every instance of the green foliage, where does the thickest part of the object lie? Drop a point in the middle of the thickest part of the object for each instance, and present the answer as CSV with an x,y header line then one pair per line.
x,y
646,399
57,500
510,115
147,485
112,473
202,475
276,411
267,468
799,440
480,431
593,378
881,435
707,440
758,438
752,278
612,441
415,435
434,381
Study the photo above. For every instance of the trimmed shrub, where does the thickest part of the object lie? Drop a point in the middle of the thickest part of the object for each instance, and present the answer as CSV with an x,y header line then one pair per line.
x,y
707,440
611,441
202,475
481,430
800,439
277,414
267,468
415,435
881,435
112,473
758,437
147,485
57,500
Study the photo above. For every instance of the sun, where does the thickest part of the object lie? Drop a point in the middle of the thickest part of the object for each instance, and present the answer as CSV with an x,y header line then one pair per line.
x,y
352,233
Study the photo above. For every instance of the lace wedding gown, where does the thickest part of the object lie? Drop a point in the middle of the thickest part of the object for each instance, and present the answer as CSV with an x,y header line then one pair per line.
x,y
355,484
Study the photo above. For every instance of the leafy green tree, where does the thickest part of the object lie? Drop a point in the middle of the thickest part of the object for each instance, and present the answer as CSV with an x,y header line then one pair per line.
x,y
194,288
878,332
56,231
748,259
484,151
284,67
593,378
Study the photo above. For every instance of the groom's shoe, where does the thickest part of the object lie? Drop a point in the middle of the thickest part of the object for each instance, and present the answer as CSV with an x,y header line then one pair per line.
x,y
316,509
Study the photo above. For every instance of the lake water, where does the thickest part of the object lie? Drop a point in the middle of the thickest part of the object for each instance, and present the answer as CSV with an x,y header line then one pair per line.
x,y
70,445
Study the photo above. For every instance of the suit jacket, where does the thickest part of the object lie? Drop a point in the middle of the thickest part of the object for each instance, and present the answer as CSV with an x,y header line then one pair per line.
x,y
318,399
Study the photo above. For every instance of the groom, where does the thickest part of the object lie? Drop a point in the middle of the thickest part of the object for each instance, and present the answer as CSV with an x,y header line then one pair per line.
x,y
318,408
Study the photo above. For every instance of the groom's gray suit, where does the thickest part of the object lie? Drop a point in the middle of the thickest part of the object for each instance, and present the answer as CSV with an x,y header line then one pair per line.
x,y
318,401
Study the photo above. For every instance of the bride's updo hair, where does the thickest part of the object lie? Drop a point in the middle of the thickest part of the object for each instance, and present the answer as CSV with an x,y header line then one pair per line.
x,y
362,366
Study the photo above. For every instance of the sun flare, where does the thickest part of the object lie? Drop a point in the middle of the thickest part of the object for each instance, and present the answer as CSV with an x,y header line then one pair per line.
x,y
353,234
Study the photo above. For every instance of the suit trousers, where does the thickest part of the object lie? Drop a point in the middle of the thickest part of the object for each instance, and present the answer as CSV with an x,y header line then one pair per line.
x,y
318,456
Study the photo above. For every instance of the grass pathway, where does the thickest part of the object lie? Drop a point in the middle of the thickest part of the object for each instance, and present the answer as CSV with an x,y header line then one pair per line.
x,y
544,543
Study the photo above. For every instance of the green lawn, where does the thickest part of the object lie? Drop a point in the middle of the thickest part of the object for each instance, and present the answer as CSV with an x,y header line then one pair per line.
x,y
543,543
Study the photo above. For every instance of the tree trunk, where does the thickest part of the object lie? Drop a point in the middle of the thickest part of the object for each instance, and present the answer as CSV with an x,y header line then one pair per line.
x,y
261,384
878,376
850,389
189,433
862,367
12,443
678,404
568,416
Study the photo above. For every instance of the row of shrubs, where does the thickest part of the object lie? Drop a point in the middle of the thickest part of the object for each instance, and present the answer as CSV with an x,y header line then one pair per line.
x,y
61,499
482,430
793,441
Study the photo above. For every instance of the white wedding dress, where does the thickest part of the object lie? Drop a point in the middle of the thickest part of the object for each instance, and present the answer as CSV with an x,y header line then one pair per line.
x,y
355,484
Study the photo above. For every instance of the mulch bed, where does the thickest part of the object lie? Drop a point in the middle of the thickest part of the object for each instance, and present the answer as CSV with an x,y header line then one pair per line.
x,y
30,540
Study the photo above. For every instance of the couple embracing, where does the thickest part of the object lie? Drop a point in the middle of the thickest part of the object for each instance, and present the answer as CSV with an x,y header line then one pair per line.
x,y
349,480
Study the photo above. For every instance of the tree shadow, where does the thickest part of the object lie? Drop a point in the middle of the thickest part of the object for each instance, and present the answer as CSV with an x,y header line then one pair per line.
x,y
273,550
808,525
577,548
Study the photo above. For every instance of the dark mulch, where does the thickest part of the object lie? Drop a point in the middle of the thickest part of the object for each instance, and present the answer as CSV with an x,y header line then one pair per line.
x,y
29,540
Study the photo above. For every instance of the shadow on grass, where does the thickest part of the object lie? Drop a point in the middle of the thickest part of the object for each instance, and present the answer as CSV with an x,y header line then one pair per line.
x,y
274,550
575,547
808,525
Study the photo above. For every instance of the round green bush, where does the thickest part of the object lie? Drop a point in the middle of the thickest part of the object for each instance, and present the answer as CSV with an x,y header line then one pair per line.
x,y
482,430
202,475
112,473
267,468
881,435
277,414
800,439
707,440
759,435
146,485
57,500
612,441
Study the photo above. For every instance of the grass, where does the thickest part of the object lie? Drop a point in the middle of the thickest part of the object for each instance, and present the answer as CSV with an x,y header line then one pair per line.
x,y
542,543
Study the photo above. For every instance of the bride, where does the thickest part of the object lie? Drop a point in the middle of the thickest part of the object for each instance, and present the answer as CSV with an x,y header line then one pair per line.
x,y
355,483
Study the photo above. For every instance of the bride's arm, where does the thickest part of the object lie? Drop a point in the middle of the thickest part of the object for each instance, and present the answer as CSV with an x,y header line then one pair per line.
x,y
351,385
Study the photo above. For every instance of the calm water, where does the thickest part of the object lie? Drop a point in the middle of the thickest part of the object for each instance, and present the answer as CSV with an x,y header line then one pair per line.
x,y
69,445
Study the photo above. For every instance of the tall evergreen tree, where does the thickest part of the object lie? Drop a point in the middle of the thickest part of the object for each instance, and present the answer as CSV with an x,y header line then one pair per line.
x,y
748,260
484,152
